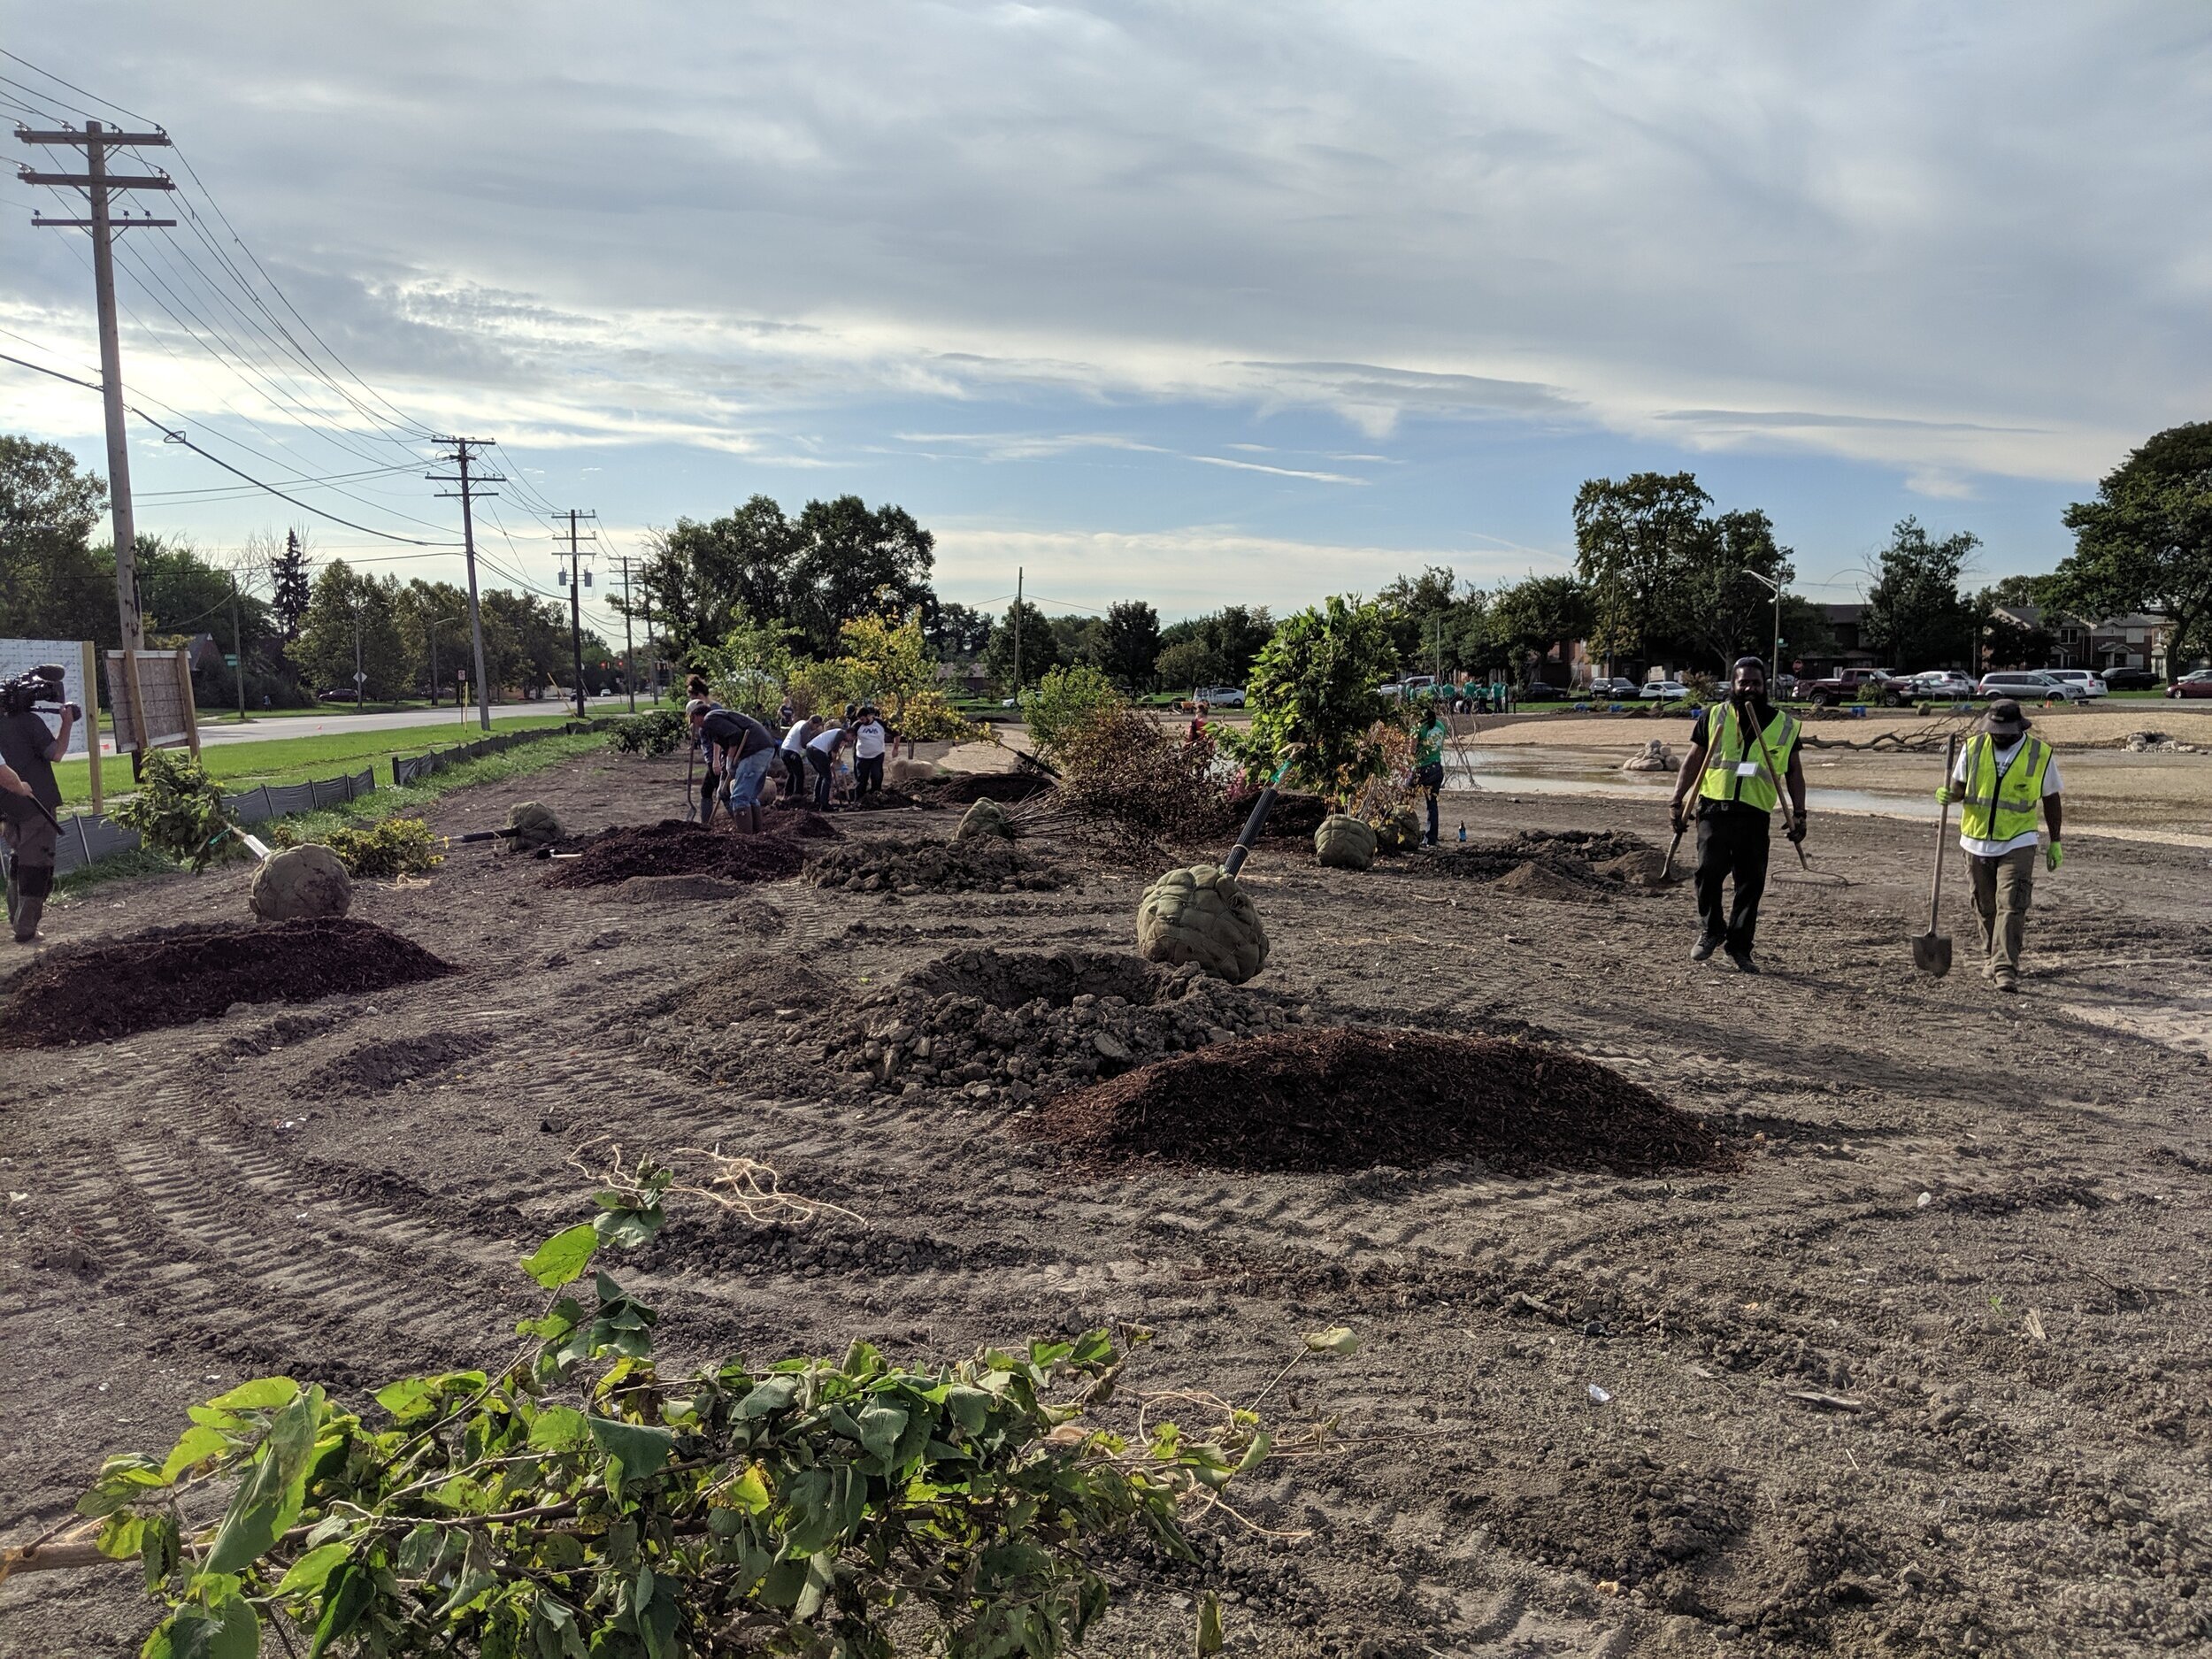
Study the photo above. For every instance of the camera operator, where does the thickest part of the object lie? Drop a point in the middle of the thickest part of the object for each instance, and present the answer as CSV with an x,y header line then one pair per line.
x,y
30,799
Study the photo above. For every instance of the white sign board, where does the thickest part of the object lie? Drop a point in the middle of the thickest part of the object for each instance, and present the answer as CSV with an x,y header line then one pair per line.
x,y
20,656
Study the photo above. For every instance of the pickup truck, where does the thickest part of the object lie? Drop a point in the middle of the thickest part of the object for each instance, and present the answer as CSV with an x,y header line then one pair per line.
x,y
1856,685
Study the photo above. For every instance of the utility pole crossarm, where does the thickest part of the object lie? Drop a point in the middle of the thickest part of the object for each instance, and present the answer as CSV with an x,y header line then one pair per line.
x,y
95,135
42,222
88,180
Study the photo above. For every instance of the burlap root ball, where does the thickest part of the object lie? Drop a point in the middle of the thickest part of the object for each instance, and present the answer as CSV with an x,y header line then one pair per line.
x,y
985,818
533,824
301,881
1397,830
1202,915
901,773
1344,842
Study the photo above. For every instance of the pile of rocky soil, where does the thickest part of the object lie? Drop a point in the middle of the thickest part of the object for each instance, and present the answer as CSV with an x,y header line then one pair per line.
x,y
174,976
1554,863
968,787
1016,1026
1354,1098
674,848
753,985
916,863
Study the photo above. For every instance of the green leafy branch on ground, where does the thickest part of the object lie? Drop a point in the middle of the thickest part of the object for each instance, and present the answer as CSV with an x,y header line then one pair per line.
x,y
579,1502
178,810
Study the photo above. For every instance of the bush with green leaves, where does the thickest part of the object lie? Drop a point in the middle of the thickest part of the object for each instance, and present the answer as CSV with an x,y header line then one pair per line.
x,y
579,1502
1066,701
1314,686
178,810
655,732
396,847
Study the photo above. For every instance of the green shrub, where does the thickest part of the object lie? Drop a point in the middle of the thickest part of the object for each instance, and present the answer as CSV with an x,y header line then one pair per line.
x,y
1067,700
655,732
178,810
397,846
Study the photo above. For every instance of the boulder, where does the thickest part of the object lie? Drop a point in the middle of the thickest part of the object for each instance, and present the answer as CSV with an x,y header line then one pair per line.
x,y
1655,756
1344,842
301,881
533,826
985,818
1202,915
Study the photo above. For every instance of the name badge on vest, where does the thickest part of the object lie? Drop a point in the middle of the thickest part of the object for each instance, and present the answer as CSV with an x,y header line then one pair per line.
x,y
1747,769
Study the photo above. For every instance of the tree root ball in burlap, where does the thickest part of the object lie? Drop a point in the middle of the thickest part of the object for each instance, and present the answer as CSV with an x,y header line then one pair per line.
x,y
301,881
1344,842
1397,830
1200,915
985,818
534,826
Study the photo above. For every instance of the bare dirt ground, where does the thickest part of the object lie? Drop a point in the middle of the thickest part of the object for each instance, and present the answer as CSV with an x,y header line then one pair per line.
x,y
1926,1373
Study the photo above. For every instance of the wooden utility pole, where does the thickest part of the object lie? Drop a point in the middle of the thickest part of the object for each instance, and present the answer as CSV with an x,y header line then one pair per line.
x,y
238,648
576,605
471,487
97,182
629,650
1017,687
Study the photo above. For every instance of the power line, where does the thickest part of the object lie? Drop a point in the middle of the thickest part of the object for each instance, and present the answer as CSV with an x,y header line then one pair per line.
x,y
73,86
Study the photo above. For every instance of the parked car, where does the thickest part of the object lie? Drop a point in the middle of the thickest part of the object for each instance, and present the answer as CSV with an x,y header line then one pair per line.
x,y
2091,684
1613,690
1665,691
1856,685
1785,687
2130,679
1940,683
2029,685
346,694
1222,696
2194,685
1537,691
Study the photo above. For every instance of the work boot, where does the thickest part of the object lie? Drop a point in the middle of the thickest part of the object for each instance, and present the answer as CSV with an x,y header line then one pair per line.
x,y
1744,963
26,914
2006,982
1703,949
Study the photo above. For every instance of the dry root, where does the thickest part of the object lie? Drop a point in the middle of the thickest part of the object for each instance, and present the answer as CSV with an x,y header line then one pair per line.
x,y
742,1186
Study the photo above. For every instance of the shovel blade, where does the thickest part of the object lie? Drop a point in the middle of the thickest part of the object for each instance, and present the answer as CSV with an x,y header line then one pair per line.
x,y
1931,953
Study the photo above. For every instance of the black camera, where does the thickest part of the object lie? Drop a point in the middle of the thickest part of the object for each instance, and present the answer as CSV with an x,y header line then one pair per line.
x,y
25,692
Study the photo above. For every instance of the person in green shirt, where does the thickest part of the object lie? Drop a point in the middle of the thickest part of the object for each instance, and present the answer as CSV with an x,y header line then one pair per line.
x,y
1428,761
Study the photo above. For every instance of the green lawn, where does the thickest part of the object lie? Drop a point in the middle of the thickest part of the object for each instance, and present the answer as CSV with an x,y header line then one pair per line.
x,y
279,760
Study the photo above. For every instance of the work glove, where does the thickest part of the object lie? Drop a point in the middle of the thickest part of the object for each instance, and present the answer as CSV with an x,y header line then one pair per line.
x,y
1944,795
1796,831
2054,856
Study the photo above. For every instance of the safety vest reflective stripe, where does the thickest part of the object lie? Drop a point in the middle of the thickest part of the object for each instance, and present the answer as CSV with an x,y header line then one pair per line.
x,y
1999,807
1730,746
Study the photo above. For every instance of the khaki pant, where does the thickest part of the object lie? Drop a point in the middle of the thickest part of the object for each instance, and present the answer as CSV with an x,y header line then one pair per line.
x,y
2003,887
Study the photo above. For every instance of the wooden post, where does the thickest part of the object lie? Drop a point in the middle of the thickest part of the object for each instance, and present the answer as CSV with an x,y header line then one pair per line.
x,y
91,660
191,711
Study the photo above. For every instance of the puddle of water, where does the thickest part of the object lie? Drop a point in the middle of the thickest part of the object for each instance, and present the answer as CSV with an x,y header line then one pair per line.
x,y
1490,778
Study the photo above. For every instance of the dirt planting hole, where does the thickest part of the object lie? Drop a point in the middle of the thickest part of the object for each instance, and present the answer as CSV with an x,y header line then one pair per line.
x,y
1354,1098
1569,865
1007,979
674,848
168,977
377,1068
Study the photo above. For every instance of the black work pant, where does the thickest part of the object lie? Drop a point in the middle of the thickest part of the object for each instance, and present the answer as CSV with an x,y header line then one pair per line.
x,y
1731,844
867,774
794,774
1430,778
823,773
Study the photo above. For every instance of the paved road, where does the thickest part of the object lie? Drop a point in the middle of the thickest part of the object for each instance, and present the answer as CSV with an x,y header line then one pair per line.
x,y
214,728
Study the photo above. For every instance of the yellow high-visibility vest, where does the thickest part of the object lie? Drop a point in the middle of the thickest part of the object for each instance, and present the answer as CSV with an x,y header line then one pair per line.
x,y
1729,746
1999,808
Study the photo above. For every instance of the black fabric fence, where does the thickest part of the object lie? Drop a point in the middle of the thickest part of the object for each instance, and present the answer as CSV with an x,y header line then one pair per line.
x,y
407,768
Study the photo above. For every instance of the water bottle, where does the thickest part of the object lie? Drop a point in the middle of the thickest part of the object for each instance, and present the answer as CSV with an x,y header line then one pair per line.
x,y
1463,832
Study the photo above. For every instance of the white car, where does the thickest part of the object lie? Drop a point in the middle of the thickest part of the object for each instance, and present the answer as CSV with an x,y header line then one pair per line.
x,y
1941,682
2091,683
1222,696
2029,685
1665,691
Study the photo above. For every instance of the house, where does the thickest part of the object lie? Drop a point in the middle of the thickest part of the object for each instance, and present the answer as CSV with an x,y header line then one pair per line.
x,y
963,679
2137,639
1844,648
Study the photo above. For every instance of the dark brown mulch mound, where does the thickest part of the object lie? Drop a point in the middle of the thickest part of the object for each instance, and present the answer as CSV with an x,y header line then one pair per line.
x,y
174,976
969,788
885,800
1352,1098
673,848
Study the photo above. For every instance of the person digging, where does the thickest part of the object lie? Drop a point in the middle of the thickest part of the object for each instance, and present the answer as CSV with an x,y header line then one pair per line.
x,y
1740,751
741,749
2001,774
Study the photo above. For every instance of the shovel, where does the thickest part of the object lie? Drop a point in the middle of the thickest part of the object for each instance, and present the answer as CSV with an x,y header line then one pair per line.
x,y
1932,950
1666,870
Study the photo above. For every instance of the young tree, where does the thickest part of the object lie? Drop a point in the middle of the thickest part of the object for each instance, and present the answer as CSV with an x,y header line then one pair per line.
x,y
1127,643
1315,685
1915,613
2146,542
1633,542
891,661
1040,651
854,562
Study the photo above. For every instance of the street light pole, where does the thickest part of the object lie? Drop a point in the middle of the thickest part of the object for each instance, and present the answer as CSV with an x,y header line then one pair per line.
x,y
1774,662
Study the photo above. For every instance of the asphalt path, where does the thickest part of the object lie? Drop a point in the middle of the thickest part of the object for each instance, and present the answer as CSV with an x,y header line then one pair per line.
x,y
215,729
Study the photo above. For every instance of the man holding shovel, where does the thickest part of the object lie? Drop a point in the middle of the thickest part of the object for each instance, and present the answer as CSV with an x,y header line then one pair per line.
x,y
1742,752
2000,775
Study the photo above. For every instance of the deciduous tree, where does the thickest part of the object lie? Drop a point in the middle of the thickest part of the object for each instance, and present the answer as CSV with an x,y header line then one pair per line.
x,y
2145,544
1915,614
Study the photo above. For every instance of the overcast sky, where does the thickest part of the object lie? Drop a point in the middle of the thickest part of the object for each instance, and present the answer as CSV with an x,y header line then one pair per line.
x,y
1189,302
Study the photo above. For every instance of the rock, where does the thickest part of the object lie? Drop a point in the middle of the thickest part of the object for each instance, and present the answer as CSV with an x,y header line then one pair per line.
x,y
1200,915
985,818
1110,1048
533,824
1344,842
301,881
1656,756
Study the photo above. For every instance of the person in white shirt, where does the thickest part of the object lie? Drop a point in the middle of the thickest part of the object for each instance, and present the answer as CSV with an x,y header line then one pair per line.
x,y
869,740
793,750
2002,776
821,754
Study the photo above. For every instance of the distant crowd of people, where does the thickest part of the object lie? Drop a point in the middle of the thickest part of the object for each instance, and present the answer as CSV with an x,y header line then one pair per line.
x,y
740,756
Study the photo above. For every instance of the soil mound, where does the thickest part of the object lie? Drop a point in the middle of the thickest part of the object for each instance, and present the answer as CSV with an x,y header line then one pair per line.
x,y
751,986
1552,863
1013,1026
174,976
1349,1099
378,1068
968,787
911,864
1544,878
673,848
884,800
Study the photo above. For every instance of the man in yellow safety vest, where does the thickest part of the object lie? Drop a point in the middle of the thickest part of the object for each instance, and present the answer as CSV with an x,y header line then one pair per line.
x,y
1742,752
2002,775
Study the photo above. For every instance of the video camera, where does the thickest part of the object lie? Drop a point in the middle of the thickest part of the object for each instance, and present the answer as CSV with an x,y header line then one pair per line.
x,y
42,685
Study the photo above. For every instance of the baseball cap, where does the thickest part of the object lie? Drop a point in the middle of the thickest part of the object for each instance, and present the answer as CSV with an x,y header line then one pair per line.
x,y
2005,720
697,707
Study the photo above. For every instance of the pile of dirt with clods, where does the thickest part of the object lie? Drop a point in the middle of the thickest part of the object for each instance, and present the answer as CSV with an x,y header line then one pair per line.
x,y
673,848
916,863
1014,1026
1572,864
966,789
174,976
1354,1098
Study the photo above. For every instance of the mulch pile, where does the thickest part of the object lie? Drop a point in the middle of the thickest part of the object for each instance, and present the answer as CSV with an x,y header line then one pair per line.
x,y
674,848
1353,1098
908,863
174,976
1010,1026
